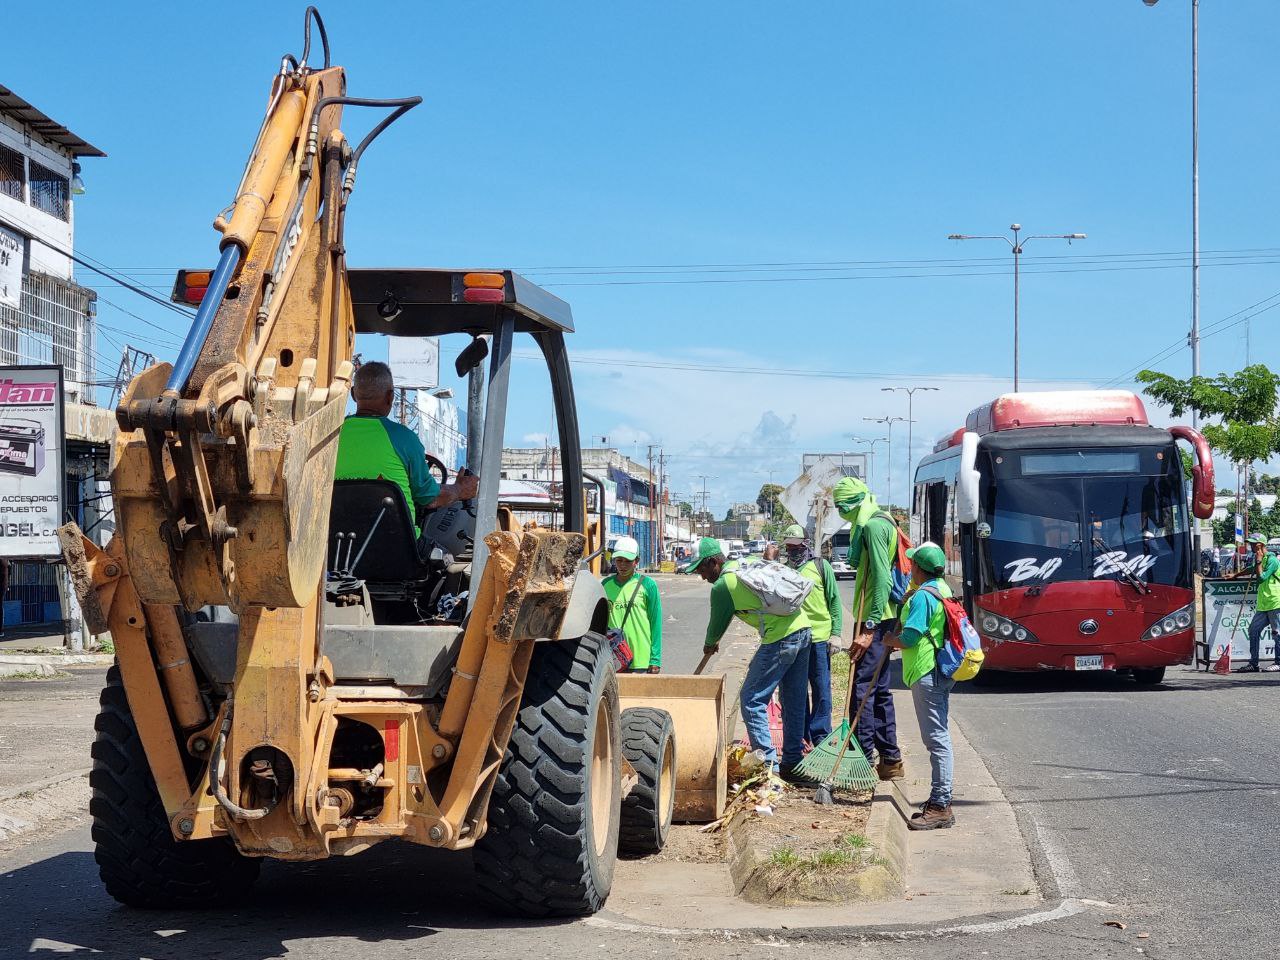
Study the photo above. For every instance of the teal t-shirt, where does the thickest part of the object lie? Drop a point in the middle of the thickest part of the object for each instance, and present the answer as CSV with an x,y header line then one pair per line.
x,y
375,448
924,630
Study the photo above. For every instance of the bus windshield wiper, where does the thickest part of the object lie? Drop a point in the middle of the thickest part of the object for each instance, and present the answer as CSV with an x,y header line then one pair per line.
x,y
1122,568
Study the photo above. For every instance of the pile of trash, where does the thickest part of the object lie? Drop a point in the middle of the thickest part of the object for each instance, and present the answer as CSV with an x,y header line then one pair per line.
x,y
754,785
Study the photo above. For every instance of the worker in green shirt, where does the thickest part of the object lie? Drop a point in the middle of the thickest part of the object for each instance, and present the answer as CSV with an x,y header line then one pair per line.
x,y
1267,610
781,663
373,447
822,606
924,631
873,545
635,607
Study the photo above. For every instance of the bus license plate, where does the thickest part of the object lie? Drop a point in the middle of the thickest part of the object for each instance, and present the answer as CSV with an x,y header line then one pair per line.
x,y
1089,663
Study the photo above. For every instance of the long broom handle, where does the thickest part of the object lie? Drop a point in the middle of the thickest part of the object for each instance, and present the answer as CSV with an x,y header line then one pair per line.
x,y
853,666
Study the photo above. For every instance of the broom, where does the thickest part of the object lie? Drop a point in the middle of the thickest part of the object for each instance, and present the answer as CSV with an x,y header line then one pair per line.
x,y
830,761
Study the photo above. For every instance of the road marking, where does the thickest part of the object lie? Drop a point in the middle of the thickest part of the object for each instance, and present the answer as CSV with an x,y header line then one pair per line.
x,y
1067,908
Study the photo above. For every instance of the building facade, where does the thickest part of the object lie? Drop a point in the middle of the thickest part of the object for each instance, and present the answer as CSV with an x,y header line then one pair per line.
x,y
48,318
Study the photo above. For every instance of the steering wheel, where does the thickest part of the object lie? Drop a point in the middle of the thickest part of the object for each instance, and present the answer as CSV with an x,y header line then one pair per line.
x,y
437,468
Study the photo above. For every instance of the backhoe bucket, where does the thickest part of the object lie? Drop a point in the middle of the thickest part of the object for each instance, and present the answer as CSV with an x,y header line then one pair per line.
x,y
696,706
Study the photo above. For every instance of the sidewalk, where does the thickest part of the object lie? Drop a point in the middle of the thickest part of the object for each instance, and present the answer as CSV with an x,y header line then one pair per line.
x,y
981,866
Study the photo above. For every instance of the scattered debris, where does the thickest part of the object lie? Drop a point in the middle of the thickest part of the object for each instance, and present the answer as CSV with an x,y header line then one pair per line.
x,y
1118,924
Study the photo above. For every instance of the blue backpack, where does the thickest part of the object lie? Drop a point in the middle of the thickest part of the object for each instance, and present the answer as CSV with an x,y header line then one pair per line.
x,y
900,568
960,656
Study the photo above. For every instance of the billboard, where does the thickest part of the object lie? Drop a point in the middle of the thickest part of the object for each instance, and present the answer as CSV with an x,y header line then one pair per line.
x,y
32,484
12,246
414,362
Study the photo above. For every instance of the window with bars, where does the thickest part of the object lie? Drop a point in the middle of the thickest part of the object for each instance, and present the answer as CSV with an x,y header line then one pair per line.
x,y
50,191
12,172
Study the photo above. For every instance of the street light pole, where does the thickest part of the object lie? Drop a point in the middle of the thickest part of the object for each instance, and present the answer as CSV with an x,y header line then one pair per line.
x,y
1016,246
1195,192
889,422
871,454
910,392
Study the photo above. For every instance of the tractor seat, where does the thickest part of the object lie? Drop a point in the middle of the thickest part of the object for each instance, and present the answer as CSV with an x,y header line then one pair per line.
x,y
372,536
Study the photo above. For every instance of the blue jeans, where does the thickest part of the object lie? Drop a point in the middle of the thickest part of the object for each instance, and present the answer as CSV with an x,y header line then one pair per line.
x,y
1261,620
818,718
782,666
932,696
878,726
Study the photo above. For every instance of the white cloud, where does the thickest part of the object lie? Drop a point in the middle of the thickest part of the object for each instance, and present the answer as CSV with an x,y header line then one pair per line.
x,y
536,439
738,428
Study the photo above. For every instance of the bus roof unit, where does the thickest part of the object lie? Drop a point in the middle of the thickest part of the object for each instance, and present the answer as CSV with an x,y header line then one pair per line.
x,y
1058,408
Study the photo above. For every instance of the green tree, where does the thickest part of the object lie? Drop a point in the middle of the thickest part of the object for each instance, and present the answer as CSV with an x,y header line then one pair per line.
x,y
1240,409
685,508
772,507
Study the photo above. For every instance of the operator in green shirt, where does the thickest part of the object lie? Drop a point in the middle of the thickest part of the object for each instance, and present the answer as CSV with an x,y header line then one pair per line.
x,y
1267,611
635,607
372,447
873,546
924,631
822,606
781,663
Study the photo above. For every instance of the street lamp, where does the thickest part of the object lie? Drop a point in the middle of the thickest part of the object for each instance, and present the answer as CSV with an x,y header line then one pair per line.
x,y
889,422
871,467
910,392
1016,245
1195,191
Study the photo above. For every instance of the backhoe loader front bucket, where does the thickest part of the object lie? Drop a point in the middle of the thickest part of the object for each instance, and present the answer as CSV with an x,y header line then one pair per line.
x,y
696,706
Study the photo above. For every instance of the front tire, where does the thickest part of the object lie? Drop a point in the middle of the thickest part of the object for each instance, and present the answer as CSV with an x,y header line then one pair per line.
x,y
649,744
140,862
1149,677
553,821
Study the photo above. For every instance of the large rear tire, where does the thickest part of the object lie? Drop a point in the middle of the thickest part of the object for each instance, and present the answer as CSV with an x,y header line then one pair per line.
x,y
140,862
649,744
552,838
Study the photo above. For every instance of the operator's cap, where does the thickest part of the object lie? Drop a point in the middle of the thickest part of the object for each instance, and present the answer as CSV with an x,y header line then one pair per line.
x,y
627,548
928,556
794,534
707,547
1257,538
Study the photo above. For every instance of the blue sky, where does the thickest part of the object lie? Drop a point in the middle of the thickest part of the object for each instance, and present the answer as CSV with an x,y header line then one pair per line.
x,y
578,139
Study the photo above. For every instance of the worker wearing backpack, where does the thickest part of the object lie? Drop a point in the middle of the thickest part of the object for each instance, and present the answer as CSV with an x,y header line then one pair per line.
x,y
924,633
781,663
823,609
873,551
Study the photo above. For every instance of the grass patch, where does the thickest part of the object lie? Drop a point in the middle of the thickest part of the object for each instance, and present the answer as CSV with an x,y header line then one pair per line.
x,y
106,645
839,683
786,862
784,857
855,841
35,675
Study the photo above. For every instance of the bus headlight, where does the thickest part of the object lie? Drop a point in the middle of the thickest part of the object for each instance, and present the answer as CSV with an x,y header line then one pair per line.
x,y
1178,621
998,628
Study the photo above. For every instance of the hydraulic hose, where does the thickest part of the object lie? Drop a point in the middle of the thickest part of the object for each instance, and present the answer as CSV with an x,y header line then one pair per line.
x,y
215,778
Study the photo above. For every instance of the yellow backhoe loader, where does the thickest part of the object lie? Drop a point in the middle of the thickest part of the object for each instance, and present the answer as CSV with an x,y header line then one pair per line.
x,y
296,678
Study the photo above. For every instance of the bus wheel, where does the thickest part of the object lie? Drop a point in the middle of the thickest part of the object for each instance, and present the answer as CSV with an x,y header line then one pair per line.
x,y
1150,677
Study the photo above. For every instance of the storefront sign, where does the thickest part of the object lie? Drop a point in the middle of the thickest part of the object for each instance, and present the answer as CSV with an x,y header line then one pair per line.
x,y
12,246
1228,608
32,483
414,362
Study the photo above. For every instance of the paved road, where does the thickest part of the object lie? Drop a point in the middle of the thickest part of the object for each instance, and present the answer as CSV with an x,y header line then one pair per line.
x,y
1161,803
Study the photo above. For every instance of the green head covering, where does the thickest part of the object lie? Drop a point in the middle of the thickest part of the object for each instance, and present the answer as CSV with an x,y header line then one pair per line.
x,y
928,556
707,547
856,504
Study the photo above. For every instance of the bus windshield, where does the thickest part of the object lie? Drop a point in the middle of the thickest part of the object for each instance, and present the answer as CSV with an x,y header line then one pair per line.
x,y
1093,522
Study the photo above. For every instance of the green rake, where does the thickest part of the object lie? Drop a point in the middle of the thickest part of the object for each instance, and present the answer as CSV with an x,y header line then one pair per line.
x,y
833,762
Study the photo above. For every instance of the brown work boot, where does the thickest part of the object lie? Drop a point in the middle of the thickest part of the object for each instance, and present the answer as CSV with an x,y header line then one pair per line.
x,y
890,769
932,817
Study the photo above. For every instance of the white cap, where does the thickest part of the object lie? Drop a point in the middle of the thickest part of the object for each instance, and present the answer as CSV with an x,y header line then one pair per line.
x,y
627,548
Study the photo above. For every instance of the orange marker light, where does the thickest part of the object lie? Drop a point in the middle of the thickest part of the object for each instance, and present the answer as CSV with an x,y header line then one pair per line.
x,y
491,281
197,278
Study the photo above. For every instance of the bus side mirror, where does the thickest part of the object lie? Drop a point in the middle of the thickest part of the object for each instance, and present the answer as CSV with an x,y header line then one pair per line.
x,y
1202,485
967,480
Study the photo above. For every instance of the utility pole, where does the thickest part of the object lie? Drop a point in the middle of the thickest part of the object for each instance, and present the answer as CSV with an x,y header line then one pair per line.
x,y
662,503
704,478
889,422
653,491
1016,245
911,474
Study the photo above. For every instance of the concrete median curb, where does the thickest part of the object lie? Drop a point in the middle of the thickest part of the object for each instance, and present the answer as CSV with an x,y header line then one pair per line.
x,y
48,664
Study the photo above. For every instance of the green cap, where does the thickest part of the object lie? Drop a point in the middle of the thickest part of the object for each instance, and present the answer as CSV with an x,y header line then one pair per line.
x,y
1257,538
707,547
793,532
928,556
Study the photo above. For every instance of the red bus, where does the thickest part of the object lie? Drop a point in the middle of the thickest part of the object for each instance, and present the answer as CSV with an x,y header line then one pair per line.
x,y
1064,518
